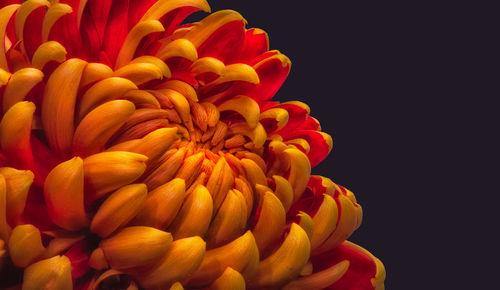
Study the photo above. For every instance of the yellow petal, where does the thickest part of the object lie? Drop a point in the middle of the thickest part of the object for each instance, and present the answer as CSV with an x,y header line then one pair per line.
x,y
142,99
20,84
58,104
212,113
230,279
63,192
220,181
182,258
258,134
18,183
238,72
178,48
95,72
4,226
134,37
139,73
22,14
107,171
229,222
245,106
241,254
103,91
270,223
254,173
183,88
53,273
5,15
162,205
55,11
152,145
167,170
95,130
306,223
135,246
320,280
177,286
283,191
25,245
300,171
325,220
15,133
208,65
285,263
47,52
378,280
154,60
118,209
199,33
278,114
194,216
191,168
162,7
345,226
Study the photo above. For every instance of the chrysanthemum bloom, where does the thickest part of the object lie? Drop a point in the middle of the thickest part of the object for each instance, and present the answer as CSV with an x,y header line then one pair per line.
x,y
138,152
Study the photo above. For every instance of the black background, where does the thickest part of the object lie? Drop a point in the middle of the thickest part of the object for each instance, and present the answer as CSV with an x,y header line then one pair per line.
x,y
393,84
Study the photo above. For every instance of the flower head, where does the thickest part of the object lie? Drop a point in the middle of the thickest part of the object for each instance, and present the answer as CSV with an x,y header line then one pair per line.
x,y
139,152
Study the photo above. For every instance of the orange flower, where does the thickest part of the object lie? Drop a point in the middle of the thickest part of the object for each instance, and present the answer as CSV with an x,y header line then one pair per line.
x,y
138,152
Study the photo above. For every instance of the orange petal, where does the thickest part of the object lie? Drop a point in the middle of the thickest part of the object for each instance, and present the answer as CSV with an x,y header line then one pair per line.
x,y
53,273
107,171
63,192
20,84
95,130
135,246
18,183
194,216
25,245
118,209
58,105
230,279
162,205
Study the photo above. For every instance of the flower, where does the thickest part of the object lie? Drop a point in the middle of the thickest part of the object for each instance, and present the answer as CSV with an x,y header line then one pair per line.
x,y
137,151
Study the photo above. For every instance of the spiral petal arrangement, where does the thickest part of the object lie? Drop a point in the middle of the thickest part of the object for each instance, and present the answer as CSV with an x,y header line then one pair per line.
x,y
139,152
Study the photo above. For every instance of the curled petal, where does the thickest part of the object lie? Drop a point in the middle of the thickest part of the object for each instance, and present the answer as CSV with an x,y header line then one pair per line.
x,y
230,279
242,255
47,52
53,273
18,183
20,84
135,246
118,209
15,135
63,191
162,205
300,171
5,14
182,258
245,106
321,279
285,263
58,105
140,73
4,226
178,48
270,223
25,245
230,221
107,171
95,130
194,216
104,90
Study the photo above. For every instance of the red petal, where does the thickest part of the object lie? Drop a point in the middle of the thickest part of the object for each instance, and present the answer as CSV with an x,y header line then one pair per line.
x,y
32,34
296,116
66,33
93,25
79,254
116,29
256,43
319,147
362,267
272,73
225,43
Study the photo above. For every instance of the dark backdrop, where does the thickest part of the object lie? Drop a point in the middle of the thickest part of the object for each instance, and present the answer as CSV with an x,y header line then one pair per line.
x,y
386,80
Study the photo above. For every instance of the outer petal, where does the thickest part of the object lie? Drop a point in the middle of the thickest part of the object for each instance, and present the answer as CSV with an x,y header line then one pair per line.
x,y
364,272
